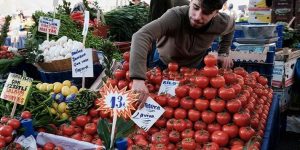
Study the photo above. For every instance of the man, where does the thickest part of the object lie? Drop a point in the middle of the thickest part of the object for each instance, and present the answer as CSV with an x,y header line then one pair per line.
x,y
185,33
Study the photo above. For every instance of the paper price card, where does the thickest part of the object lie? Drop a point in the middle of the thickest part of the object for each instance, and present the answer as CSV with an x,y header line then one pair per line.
x,y
148,115
16,88
168,87
82,63
49,25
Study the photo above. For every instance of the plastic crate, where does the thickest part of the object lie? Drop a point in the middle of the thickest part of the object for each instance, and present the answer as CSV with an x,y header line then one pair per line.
x,y
265,69
51,77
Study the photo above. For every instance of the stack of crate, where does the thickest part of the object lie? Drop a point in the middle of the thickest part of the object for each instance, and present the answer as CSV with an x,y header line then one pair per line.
x,y
259,12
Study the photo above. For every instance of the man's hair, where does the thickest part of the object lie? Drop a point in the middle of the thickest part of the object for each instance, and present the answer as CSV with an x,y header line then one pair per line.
x,y
209,6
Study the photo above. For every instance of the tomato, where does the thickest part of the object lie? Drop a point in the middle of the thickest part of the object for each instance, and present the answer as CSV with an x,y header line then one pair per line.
x,y
217,105
8,139
240,71
262,80
150,87
254,123
158,147
93,112
162,100
231,129
179,125
201,104
159,138
194,115
169,112
246,133
77,136
156,79
187,133
195,93
210,60
125,66
126,56
2,143
220,137
187,103
241,119
48,146
173,102
236,141
213,127
202,136
233,105
180,113
171,146
208,116
170,124
87,138
122,84
237,88
15,123
202,81
211,146
161,122
174,136
223,118
227,93
90,128
119,74
4,119
189,124
68,130
81,120
230,77
188,144
217,81
181,91
237,147
173,66
200,125
243,99
25,115
210,71
209,93
6,130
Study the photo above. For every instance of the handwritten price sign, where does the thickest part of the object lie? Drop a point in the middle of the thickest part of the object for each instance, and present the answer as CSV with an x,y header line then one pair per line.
x,y
116,101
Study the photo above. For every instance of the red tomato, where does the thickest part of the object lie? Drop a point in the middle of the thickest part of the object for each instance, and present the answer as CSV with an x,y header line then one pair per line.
x,y
223,118
202,81
237,88
254,123
195,93
246,133
161,122
208,116
227,93
217,81
174,136
90,128
188,144
180,113
169,112
179,125
210,71
87,138
171,146
4,119
217,105
68,130
112,82
241,119
93,112
236,141
234,105
194,115
119,74
209,93
2,143
8,139
220,137
230,77
210,60
173,66
189,124
240,71
15,123
173,102
159,138
201,104
187,103
77,136
162,100
122,84
170,124
213,127
262,80
231,129
126,56
181,91
6,130
211,146
200,125
48,146
202,136
187,133
26,115
81,120
125,66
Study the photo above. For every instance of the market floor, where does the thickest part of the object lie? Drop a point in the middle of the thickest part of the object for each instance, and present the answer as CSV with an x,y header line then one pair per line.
x,y
289,141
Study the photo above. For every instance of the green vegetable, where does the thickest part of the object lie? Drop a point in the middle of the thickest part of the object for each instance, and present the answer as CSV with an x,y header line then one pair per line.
x,y
4,30
82,103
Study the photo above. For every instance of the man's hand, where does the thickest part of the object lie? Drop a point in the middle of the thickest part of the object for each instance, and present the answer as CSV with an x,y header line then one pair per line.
x,y
226,61
139,86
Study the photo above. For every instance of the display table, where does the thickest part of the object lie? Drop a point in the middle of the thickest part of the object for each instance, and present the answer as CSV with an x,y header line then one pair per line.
x,y
272,130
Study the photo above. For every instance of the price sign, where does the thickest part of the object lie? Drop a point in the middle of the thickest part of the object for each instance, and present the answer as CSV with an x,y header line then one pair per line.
x,y
49,25
168,87
117,101
82,63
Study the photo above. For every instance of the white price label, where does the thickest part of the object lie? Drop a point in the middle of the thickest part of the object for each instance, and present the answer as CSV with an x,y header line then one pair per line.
x,y
168,87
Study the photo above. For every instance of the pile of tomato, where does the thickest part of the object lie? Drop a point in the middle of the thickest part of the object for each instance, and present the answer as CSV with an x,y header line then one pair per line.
x,y
213,108
5,54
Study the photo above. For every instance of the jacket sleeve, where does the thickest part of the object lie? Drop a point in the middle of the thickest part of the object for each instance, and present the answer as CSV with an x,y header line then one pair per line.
x,y
226,37
143,38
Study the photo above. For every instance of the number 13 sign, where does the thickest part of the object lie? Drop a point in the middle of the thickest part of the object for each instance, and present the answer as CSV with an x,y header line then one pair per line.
x,y
115,100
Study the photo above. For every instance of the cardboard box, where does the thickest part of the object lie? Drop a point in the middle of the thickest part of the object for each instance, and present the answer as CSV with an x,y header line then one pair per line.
x,y
260,16
283,95
257,4
283,73
284,54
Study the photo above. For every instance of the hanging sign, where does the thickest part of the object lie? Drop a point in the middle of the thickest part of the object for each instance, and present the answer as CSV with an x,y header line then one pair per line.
x,y
49,25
